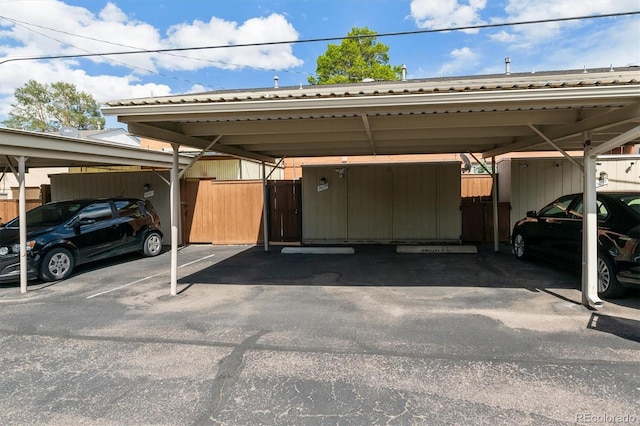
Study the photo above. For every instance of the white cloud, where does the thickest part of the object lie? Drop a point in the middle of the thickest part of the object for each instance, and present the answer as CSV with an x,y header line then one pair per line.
x,y
101,87
218,32
536,10
80,31
504,37
446,13
462,61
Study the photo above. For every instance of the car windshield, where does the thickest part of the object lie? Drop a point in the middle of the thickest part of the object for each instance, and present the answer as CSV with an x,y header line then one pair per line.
x,y
48,215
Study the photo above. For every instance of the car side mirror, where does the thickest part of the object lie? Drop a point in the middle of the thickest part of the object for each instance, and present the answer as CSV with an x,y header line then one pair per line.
x,y
532,213
77,221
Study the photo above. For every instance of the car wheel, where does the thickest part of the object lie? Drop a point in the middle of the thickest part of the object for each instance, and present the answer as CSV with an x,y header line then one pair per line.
x,y
57,265
520,246
608,286
152,244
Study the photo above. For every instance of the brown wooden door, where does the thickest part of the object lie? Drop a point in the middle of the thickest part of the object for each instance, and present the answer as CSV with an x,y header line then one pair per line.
x,y
285,211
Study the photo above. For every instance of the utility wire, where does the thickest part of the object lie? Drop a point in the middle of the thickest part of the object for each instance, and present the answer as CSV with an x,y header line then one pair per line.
x,y
27,25
326,39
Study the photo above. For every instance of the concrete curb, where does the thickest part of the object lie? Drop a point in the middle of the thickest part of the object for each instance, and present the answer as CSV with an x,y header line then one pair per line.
x,y
318,250
435,249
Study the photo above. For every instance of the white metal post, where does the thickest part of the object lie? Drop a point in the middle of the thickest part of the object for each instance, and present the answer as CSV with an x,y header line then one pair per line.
x,y
22,214
494,195
265,210
590,231
175,213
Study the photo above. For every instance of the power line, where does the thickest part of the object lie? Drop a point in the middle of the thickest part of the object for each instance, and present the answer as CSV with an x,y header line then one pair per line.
x,y
325,39
27,25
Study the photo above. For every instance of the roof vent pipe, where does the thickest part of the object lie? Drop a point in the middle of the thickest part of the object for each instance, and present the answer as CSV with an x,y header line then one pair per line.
x,y
507,66
404,72
275,81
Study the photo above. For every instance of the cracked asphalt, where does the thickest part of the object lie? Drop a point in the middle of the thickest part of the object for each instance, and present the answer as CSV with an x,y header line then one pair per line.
x,y
372,338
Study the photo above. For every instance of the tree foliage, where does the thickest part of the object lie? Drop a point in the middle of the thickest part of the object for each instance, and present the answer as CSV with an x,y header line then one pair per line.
x,y
46,108
359,56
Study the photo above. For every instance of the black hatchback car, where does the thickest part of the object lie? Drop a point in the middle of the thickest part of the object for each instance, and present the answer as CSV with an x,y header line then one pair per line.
x,y
555,231
62,235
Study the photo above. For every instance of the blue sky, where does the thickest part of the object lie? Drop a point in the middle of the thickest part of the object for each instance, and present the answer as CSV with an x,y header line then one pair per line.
x,y
52,27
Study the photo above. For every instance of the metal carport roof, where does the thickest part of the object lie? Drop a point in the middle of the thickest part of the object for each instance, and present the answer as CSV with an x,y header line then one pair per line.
x,y
492,114
19,149
590,110
47,150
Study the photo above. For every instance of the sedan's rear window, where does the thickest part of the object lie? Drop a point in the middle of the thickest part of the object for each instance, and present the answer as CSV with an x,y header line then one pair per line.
x,y
633,201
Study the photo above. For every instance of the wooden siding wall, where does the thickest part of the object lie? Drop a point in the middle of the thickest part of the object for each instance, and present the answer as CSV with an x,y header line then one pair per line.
x,y
223,212
382,203
10,209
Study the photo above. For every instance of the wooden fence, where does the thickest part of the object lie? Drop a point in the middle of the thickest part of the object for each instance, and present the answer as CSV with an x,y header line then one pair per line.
x,y
476,186
230,212
10,208
222,212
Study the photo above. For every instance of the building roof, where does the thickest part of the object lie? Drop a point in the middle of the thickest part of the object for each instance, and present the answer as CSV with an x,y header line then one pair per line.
x,y
491,114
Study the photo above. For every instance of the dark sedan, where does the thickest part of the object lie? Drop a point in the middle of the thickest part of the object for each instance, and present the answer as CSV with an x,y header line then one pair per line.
x,y
555,231
62,235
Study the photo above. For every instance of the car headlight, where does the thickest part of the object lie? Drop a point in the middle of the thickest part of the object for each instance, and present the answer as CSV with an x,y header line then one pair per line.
x,y
4,251
16,247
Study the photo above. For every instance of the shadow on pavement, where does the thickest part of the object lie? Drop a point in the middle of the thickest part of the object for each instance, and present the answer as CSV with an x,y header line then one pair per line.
x,y
622,327
380,265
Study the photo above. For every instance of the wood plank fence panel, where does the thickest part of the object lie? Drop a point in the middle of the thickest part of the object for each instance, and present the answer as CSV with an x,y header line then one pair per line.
x,y
476,185
223,212
10,209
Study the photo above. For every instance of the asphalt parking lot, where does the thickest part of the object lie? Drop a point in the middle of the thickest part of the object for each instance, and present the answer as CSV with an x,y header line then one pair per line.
x,y
267,338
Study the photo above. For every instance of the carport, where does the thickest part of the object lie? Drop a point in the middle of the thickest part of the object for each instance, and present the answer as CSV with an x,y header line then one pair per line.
x,y
592,111
20,149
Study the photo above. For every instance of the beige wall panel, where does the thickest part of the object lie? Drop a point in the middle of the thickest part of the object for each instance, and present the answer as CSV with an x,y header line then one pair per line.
x,y
215,169
324,215
125,184
382,203
415,204
623,174
505,176
369,203
449,215
543,180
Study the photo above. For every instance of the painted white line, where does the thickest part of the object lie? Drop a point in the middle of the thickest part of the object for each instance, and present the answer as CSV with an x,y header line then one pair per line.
x,y
196,261
146,278
123,286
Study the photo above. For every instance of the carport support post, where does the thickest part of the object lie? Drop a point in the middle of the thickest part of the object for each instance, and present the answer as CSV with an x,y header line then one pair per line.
x,y
590,231
175,218
22,214
494,196
265,210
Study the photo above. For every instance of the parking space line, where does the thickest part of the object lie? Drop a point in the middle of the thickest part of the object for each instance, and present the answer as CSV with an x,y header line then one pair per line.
x,y
196,261
146,278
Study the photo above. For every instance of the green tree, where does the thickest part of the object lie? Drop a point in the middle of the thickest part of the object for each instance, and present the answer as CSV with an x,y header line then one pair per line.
x,y
358,56
46,108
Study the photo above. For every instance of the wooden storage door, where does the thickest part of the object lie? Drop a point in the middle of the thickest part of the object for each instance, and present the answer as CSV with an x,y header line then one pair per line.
x,y
285,211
